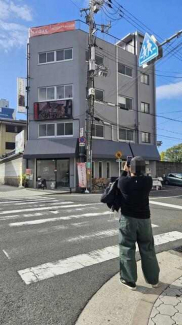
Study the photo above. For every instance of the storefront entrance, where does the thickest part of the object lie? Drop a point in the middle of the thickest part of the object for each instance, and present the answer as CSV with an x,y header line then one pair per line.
x,y
55,172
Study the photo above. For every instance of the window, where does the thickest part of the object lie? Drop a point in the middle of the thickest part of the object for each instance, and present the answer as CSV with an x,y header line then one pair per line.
x,y
10,128
42,58
50,93
144,78
52,130
53,56
93,169
145,137
125,102
13,128
108,169
68,128
99,95
46,130
42,94
100,169
124,70
64,129
66,54
125,134
99,60
50,57
60,129
98,131
10,145
55,92
145,107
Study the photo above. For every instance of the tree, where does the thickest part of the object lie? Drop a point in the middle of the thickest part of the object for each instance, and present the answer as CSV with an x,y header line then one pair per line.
x,y
173,154
162,155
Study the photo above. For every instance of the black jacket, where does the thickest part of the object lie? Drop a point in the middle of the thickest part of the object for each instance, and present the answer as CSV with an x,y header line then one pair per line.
x,y
135,195
112,197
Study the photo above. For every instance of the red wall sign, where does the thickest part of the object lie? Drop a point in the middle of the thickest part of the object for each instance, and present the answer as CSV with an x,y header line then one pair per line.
x,y
51,29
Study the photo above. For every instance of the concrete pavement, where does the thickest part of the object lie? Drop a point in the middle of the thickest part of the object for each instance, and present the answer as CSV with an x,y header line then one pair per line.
x,y
115,304
9,192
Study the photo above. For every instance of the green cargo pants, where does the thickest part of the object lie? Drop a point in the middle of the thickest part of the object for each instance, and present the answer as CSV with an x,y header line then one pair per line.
x,y
134,230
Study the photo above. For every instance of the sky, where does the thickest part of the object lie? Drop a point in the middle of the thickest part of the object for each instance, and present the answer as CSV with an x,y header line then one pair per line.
x,y
160,17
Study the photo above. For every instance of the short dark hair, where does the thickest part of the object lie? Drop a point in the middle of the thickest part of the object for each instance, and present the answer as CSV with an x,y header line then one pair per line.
x,y
138,165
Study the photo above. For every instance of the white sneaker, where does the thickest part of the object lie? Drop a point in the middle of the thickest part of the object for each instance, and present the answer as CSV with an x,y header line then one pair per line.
x,y
155,285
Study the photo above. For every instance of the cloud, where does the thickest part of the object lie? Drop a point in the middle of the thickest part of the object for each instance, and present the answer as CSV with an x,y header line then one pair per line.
x,y
173,90
9,9
12,35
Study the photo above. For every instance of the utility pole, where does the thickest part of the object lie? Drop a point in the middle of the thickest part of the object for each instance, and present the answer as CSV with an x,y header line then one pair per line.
x,y
94,7
91,95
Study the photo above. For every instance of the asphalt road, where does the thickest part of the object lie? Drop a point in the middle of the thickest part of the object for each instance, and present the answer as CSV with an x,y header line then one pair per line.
x,y
52,252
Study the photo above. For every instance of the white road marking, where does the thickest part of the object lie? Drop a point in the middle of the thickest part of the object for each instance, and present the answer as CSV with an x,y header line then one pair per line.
x,y
165,197
37,214
37,203
6,254
61,206
37,222
70,264
179,207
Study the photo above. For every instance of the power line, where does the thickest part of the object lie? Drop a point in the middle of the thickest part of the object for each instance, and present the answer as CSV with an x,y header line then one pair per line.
x,y
141,23
132,129
75,5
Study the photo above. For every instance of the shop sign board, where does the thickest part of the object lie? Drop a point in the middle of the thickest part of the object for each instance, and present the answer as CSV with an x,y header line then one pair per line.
x,y
82,179
20,142
52,28
61,109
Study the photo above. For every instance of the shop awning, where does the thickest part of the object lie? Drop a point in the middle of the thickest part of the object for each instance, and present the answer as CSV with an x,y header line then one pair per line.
x,y
50,148
148,152
105,149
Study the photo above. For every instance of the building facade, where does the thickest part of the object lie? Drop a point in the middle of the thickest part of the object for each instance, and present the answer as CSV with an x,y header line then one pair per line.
x,y
4,103
8,131
124,111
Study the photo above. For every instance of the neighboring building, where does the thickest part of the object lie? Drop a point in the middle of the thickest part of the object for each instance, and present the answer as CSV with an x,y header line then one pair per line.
x,y
7,113
4,103
8,131
125,106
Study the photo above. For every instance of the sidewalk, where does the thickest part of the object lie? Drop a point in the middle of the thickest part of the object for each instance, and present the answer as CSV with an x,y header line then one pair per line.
x,y
9,192
115,304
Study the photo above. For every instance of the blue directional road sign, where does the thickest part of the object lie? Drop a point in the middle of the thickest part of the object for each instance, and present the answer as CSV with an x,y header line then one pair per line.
x,y
148,51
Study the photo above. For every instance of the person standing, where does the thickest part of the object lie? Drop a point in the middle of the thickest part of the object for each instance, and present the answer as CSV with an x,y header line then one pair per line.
x,y
135,225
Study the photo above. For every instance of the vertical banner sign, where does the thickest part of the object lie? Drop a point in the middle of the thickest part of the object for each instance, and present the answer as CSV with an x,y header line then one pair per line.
x,y
82,175
20,142
21,95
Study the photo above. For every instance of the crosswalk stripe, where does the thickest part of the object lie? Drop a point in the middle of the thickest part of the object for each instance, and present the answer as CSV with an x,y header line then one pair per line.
x,y
49,270
179,207
44,213
100,234
60,206
37,222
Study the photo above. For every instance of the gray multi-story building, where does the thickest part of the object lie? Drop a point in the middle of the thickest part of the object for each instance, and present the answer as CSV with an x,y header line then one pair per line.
x,y
125,106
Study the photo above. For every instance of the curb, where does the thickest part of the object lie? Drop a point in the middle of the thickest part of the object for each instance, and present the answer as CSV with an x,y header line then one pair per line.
x,y
115,304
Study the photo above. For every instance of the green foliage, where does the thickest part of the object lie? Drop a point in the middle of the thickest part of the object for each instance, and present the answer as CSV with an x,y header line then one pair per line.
x,y
162,155
173,154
